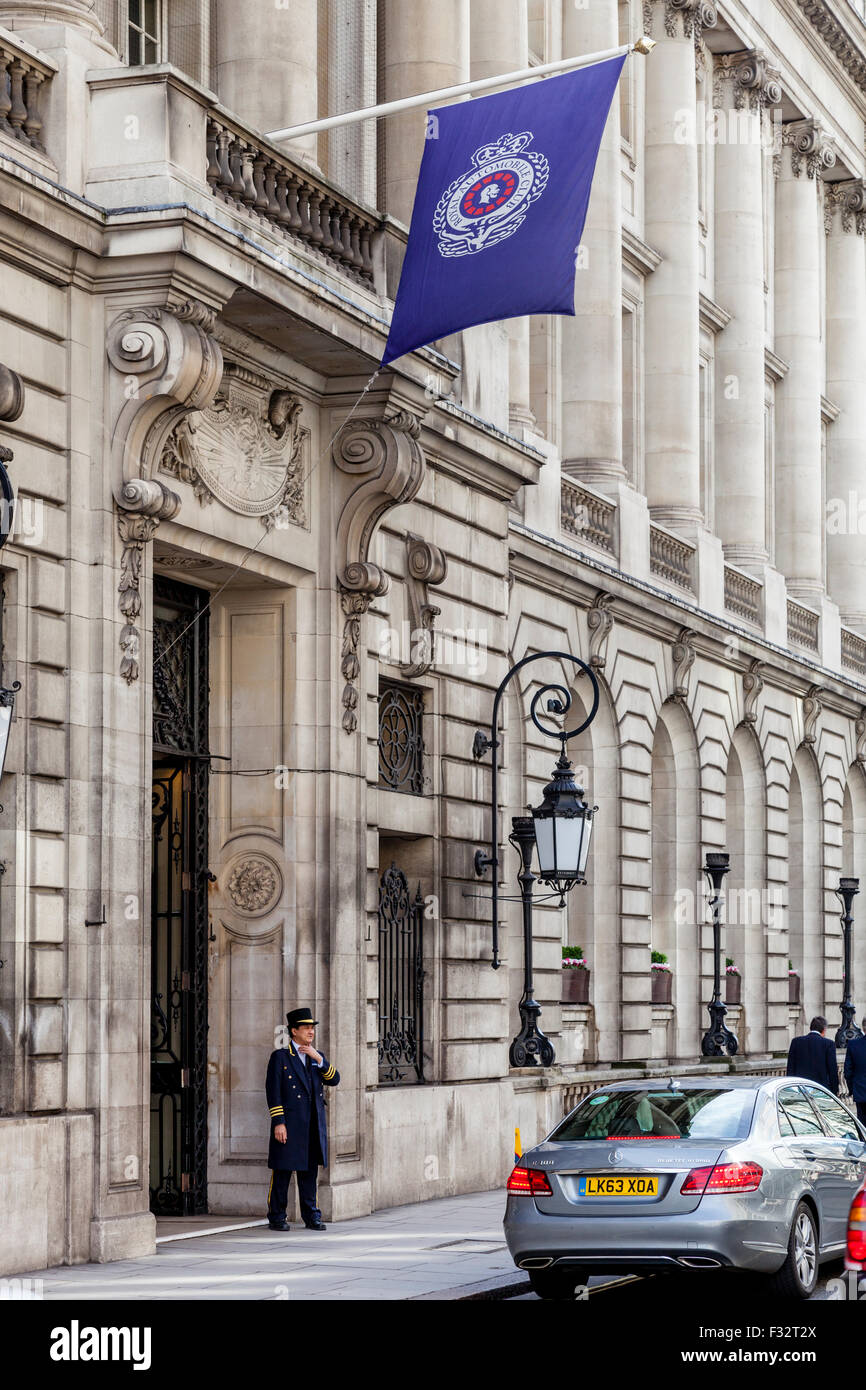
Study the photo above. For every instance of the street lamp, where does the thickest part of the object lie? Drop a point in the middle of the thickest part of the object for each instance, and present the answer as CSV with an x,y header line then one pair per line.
x,y
559,831
845,893
718,1041
7,705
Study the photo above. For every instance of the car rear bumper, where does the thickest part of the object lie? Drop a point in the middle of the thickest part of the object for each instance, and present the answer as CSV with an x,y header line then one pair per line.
x,y
714,1235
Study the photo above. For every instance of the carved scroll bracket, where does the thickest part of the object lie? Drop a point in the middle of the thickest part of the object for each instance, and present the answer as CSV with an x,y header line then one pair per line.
x,y
141,506
683,653
599,620
166,363
383,465
860,731
753,684
425,565
812,707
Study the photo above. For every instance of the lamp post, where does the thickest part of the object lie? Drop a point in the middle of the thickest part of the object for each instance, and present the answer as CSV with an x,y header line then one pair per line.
x,y
559,830
845,893
718,1041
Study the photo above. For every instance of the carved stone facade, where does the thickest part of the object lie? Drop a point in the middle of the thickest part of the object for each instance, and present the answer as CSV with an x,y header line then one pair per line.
x,y
197,318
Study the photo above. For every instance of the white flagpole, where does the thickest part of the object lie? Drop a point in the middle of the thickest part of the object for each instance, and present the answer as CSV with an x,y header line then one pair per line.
x,y
390,108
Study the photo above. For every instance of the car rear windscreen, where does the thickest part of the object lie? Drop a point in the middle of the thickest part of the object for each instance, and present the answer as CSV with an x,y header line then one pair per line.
x,y
707,1113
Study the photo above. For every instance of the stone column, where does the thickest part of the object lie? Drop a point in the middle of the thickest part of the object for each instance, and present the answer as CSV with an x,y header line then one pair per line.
x,y
592,340
743,88
424,47
799,496
499,39
673,482
845,222
266,65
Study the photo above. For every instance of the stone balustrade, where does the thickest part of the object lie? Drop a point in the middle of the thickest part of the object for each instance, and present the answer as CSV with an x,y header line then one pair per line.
x,y
802,626
22,75
253,177
589,517
743,595
672,558
853,651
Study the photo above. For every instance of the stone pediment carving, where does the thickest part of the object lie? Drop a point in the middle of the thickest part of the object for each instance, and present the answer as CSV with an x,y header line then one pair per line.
x,y
245,450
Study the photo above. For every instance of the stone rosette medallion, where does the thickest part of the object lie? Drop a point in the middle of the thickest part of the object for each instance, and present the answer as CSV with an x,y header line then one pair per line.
x,y
254,885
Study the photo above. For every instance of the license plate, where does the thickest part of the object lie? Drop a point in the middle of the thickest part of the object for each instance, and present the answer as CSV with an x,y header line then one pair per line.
x,y
636,1186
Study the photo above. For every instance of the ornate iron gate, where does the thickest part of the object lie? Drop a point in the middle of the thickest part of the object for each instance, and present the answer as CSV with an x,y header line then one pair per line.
x,y
401,980
178,1104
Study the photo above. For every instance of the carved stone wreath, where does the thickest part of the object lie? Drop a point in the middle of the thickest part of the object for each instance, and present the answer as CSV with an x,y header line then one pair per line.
x,y
245,450
254,885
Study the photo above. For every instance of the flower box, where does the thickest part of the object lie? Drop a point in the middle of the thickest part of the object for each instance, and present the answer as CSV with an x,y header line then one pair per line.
x,y
733,989
575,986
662,981
793,989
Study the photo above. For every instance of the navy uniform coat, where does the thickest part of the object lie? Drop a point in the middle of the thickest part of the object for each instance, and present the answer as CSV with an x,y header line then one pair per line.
x,y
294,1087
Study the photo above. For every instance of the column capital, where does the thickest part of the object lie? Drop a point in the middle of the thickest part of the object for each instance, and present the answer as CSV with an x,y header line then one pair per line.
x,y
694,15
811,148
845,205
745,81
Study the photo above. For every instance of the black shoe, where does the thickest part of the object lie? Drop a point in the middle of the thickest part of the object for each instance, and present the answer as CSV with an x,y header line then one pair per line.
x,y
278,1225
316,1225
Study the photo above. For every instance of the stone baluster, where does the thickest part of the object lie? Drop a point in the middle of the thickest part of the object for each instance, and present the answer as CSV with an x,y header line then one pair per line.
x,y
744,89
18,111
315,224
236,162
5,100
32,122
799,499
213,169
292,186
261,200
845,223
248,192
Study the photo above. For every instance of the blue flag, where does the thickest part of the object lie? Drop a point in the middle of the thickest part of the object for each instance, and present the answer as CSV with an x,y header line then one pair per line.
x,y
500,206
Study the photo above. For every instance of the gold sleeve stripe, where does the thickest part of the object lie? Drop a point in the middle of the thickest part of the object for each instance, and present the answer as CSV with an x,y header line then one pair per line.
x,y
329,1073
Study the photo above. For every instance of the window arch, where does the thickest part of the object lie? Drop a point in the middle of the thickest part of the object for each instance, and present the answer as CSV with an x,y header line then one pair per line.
x,y
806,880
746,890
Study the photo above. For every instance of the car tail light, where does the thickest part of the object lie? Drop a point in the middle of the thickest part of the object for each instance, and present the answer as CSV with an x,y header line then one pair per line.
x,y
530,1182
724,1177
857,1230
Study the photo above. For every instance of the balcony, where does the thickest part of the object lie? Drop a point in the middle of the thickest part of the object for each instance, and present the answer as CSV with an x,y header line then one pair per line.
x,y
672,559
853,652
23,75
588,516
186,150
802,627
743,595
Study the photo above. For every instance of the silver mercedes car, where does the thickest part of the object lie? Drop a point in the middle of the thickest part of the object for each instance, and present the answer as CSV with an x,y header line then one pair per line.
x,y
748,1173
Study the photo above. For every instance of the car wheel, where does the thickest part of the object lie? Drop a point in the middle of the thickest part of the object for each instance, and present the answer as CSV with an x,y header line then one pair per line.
x,y
799,1274
556,1283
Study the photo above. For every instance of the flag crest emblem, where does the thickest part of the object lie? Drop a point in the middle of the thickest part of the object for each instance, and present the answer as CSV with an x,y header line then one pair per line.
x,y
490,201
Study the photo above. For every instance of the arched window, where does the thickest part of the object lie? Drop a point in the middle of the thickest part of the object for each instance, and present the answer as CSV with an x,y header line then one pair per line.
x,y
854,866
746,892
805,881
675,869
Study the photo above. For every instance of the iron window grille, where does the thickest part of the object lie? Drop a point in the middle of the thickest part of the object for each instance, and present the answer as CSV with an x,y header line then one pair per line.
x,y
401,981
401,738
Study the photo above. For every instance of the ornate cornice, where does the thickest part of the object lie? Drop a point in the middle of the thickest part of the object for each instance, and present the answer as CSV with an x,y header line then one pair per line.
x,y
847,198
694,17
745,81
837,39
810,146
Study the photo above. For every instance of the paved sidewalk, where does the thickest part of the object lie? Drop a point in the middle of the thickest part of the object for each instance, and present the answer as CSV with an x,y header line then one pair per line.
x,y
447,1247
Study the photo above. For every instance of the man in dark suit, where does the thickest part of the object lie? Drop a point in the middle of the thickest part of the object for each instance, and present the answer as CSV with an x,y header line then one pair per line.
x,y
813,1057
855,1072
296,1076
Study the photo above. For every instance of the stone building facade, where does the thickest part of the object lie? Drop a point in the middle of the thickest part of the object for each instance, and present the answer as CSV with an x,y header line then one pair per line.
x,y
258,611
